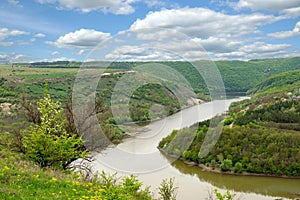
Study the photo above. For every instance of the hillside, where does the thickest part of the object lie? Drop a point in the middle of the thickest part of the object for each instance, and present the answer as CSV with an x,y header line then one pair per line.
x,y
288,81
25,81
260,135
238,76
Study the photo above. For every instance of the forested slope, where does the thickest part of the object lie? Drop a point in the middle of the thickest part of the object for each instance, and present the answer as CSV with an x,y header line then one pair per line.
x,y
260,135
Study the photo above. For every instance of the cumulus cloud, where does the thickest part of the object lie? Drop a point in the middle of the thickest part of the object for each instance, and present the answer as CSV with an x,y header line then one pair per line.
x,y
6,33
54,53
13,57
15,3
290,8
144,52
54,59
256,50
39,35
273,5
292,12
192,50
287,34
194,33
200,22
81,39
122,7
80,52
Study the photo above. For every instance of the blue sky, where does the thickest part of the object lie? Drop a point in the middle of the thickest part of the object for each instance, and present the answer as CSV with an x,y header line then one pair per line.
x,y
51,30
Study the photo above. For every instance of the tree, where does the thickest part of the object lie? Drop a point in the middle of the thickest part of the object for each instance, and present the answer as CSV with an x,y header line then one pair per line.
x,y
48,143
238,167
226,165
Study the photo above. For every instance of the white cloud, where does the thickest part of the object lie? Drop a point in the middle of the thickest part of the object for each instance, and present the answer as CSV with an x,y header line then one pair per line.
x,y
154,3
6,33
257,50
287,34
15,3
6,44
54,60
194,33
80,52
54,53
32,39
273,5
122,7
261,47
290,8
141,53
81,39
192,50
39,35
292,12
13,57
200,22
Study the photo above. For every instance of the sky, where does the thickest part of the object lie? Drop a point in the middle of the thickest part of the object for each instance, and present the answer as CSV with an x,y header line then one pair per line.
x,y
77,30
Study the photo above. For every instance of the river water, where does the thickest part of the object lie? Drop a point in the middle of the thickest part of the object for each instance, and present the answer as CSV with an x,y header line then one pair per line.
x,y
139,155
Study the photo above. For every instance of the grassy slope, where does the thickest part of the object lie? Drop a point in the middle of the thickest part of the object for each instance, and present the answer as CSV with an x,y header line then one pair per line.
x,y
22,179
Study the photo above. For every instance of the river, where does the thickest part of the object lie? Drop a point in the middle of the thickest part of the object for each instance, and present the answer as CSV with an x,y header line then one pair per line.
x,y
139,155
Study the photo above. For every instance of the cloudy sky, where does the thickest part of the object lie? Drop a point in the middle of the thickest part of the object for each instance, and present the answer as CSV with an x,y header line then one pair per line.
x,y
51,30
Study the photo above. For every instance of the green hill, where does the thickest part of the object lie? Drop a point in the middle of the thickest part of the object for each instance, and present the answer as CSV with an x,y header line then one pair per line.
x,y
287,81
260,135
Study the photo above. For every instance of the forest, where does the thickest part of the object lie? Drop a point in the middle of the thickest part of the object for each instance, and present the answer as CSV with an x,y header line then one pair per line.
x,y
260,135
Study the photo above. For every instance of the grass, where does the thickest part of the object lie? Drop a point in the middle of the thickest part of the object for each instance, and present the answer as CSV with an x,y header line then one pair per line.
x,y
21,179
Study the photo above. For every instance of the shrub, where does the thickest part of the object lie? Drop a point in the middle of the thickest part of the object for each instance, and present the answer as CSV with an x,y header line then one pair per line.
x,y
226,196
226,165
167,189
48,143
238,167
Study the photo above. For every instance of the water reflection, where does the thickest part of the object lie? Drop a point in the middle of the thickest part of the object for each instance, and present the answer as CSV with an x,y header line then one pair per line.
x,y
272,186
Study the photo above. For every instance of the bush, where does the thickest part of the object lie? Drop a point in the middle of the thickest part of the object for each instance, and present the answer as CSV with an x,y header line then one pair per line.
x,y
167,189
48,143
226,196
238,167
226,165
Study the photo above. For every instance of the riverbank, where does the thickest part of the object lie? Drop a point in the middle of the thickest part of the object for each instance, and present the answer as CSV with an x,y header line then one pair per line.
x,y
132,129
206,168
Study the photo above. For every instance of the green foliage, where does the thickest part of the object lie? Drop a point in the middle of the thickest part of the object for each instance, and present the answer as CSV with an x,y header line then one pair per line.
x,y
238,167
22,179
167,189
263,136
226,165
283,81
48,143
257,146
2,81
129,188
226,196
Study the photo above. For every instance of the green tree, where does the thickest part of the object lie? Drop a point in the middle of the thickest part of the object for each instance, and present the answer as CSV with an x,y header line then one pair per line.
x,y
238,167
48,143
226,165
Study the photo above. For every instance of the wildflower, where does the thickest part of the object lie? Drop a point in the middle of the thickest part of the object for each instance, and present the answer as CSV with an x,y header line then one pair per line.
x,y
54,179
